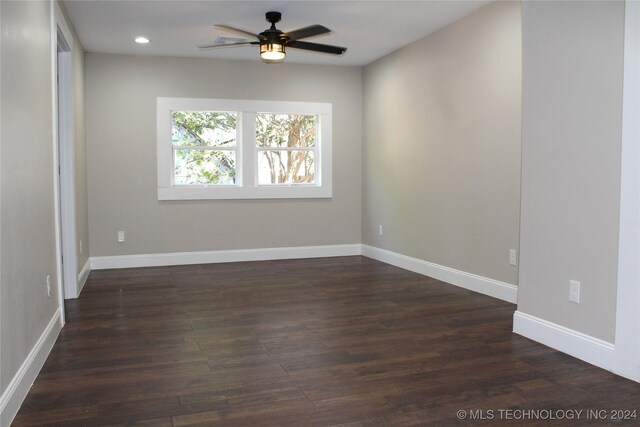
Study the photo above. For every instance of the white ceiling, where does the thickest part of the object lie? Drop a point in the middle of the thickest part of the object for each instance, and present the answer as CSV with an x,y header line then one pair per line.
x,y
369,29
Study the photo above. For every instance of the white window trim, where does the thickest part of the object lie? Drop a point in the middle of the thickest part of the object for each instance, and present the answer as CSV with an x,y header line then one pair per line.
x,y
247,187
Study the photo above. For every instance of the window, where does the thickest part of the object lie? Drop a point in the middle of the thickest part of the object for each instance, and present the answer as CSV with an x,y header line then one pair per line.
x,y
204,147
286,148
237,149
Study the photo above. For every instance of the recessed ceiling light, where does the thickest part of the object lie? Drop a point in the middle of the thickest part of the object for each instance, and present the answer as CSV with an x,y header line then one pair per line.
x,y
141,40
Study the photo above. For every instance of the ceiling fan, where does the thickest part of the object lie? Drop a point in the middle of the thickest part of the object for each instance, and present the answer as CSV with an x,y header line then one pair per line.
x,y
273,41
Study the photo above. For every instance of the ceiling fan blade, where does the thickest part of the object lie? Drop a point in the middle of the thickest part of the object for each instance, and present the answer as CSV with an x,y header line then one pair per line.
x,y
310,31
317,47
216,46
237,31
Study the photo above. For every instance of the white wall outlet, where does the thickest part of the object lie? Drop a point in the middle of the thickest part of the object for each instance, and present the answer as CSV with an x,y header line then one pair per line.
x,y
574,291
48,286
80,246
120,236
380,230
513,257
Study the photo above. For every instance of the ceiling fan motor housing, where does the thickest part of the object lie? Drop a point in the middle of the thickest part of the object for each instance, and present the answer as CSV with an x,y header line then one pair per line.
x,y
272,35
273,17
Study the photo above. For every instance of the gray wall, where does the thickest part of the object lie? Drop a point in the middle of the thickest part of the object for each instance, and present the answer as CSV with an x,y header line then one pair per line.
x,y
121,94
441,159
571,136
27,245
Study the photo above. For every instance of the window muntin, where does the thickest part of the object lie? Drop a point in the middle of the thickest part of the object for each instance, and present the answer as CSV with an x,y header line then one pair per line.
x,y
201,156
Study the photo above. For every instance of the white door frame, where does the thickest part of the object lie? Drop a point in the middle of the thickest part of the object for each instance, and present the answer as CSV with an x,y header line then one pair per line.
x,y
627,344
64,158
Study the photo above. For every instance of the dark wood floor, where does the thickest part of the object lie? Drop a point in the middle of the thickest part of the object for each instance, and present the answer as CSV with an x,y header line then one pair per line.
x,y
336,341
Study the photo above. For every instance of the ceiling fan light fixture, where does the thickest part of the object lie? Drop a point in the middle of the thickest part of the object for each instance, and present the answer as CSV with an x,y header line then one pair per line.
x,y
272,53
273,42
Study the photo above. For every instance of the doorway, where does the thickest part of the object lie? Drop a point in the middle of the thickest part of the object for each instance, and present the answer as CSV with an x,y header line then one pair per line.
x,y
65,163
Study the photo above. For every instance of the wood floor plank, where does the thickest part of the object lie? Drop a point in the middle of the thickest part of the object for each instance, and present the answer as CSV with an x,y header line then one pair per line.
x,y
344,341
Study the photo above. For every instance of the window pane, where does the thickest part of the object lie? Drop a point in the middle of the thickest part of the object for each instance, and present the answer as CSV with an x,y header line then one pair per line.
x,y
205,167
203,128
286,167
285,130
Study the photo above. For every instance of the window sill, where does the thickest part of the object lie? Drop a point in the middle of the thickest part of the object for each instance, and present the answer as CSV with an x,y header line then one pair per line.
x,y
236,193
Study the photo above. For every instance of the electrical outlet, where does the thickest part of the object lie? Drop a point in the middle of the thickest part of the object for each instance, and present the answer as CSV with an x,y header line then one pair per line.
x,y
80,246
513,257
574,291
380,230
120,236
48,286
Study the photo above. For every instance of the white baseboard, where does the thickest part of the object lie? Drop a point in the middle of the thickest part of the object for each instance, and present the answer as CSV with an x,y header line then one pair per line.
x,y
22,381
84,275
483,285
473,282
584,347
207,257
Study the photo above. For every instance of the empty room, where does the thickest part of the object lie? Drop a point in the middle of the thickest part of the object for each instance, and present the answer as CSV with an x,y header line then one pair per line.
x,y
319,213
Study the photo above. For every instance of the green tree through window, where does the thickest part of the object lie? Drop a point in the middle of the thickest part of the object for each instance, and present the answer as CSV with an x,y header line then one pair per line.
x,y
286,148
204,147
